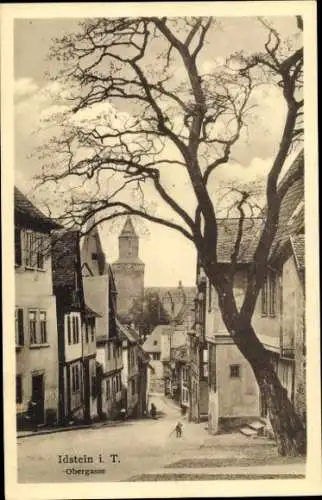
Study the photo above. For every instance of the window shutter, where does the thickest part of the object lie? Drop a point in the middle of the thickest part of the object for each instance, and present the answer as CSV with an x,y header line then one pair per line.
x,y
18,253
20,327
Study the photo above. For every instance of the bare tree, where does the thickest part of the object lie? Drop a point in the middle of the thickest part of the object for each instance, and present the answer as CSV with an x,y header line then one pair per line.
x,y
133,63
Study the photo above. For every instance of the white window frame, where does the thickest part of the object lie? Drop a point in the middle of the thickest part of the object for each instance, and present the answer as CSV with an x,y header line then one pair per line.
x,y
31,339
44,340
31,252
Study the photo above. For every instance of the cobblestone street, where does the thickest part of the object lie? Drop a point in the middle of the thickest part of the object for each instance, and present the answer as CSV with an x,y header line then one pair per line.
x,y
147,450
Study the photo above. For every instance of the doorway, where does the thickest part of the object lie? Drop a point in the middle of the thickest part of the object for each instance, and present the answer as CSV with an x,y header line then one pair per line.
x,y
38,397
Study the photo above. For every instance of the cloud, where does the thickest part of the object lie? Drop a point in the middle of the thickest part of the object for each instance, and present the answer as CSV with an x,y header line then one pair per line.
x,y
24,87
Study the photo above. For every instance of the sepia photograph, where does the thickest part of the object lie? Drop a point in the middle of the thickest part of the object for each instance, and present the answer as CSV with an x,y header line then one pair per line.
x,y
161,226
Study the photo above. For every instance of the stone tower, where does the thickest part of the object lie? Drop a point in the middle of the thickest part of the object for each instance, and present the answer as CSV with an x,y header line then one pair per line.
x,y
128,271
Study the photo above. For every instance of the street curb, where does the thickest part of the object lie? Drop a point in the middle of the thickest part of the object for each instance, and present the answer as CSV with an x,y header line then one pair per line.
x,y
68,429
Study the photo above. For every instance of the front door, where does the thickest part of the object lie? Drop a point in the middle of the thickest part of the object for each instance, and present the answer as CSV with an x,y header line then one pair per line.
x,y
38,397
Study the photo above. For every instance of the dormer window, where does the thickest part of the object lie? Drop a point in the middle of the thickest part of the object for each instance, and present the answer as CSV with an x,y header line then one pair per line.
x,y
94,256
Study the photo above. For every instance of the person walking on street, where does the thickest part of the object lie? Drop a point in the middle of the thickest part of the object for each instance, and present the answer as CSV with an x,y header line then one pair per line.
x,y
179,429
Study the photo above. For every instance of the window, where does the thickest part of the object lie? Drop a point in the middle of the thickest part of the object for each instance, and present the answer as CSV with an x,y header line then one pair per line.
x,y
209,296
114,385
156,356
90,327
108,352
19,326
92,324
205,369
18,389
69,331
133,386
18,249
155,342
34,250
75,324
75,378
43,327
205,363
86,332
108,394
272,295
234,371
94,393
32,317
268,295
94,256
184,374
185,395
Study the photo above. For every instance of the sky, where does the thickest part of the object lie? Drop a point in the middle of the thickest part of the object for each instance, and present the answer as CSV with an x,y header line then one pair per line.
x,y
168,256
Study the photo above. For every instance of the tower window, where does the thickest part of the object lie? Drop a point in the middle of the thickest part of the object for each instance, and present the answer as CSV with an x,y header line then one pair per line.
x,y
94,256
234,371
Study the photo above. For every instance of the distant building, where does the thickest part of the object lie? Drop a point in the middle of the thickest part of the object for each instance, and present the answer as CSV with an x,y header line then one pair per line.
x,y
128,271
134,373
153,347
100,294
76,323
174,303
35,315
177,303
198,357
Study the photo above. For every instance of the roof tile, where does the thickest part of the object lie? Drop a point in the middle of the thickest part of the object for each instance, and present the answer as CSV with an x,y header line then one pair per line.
x,y
24,208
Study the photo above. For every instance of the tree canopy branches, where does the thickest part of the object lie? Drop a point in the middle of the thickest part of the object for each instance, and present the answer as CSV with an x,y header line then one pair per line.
x,y
143,110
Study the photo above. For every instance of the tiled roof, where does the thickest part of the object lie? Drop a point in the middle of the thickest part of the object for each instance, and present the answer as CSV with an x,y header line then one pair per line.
x,y
291,216
181,298
228,228
90,313
65,252
298,245
124,332
26,209
227,236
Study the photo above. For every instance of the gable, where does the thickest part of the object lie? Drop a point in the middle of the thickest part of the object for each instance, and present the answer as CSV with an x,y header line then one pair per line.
x,y
86,272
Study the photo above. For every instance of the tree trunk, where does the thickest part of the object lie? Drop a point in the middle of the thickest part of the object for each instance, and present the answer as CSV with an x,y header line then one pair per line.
x,y
289,430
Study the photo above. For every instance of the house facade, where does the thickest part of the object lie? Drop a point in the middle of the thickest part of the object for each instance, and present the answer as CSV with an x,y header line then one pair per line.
x,y
153,346
100,294
35,315
278,318
233,396
76,323
198,357
134,373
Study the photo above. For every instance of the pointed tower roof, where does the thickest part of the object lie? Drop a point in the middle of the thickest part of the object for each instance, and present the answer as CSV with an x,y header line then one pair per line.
x,y
128,228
